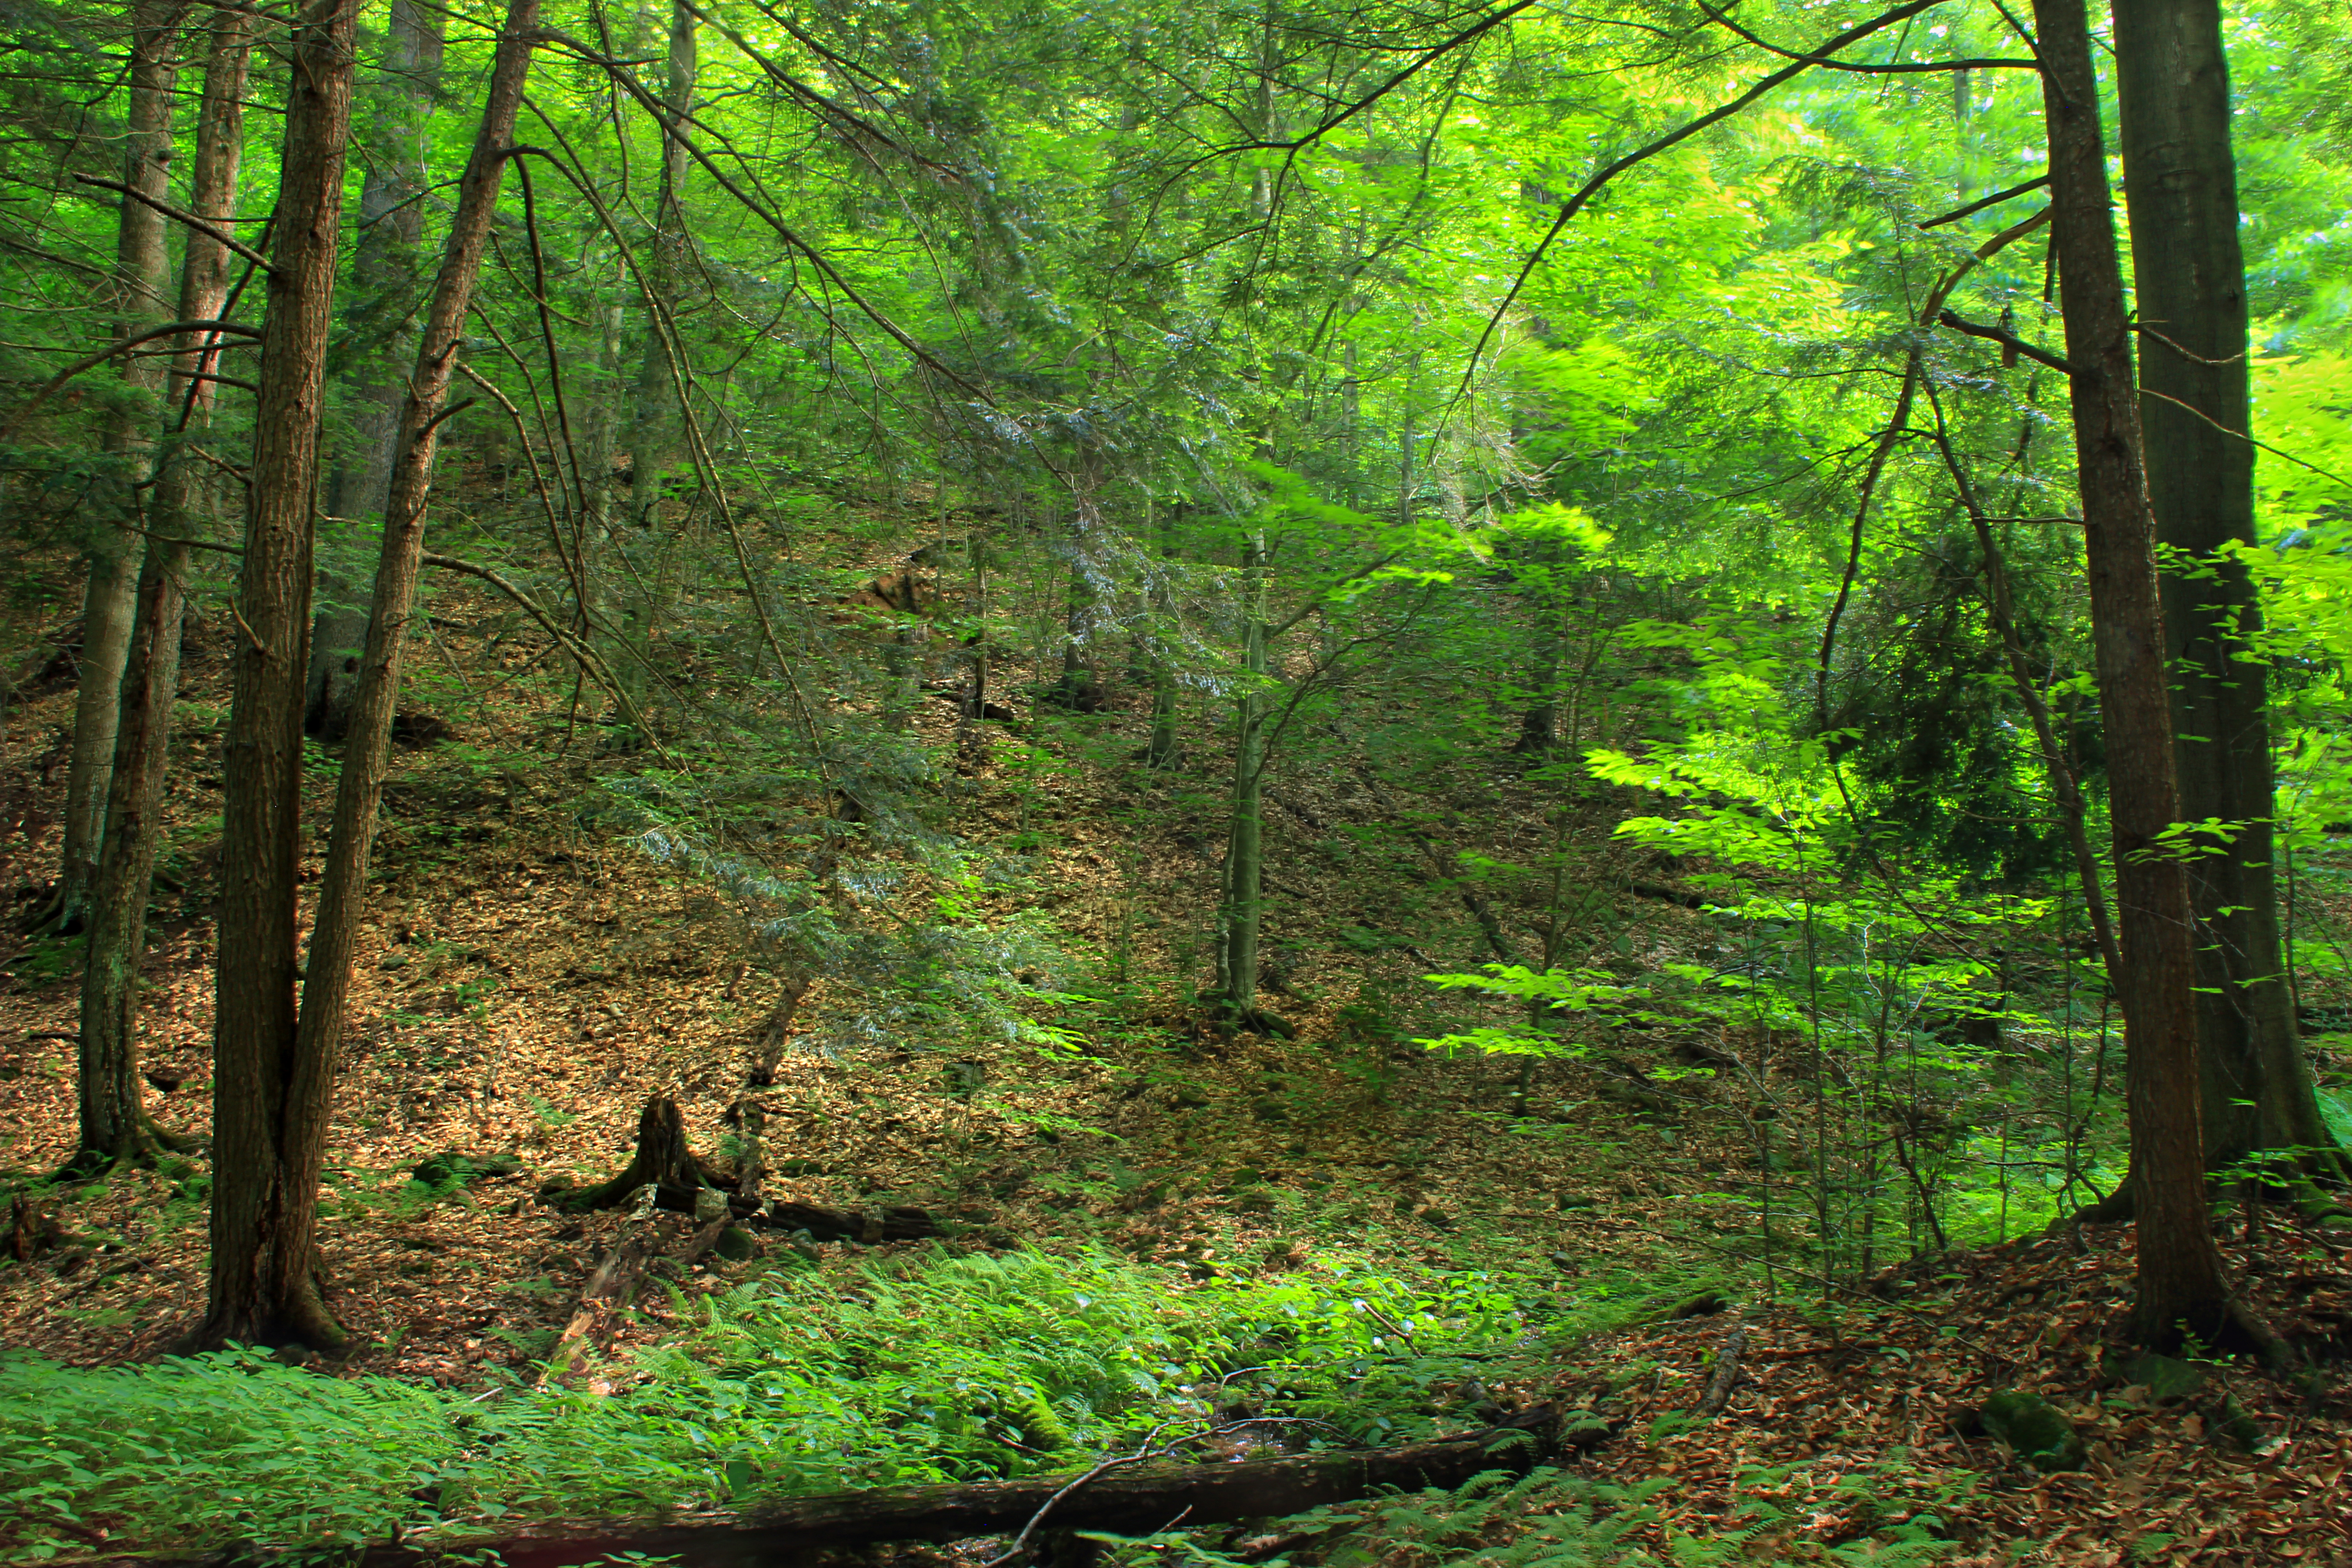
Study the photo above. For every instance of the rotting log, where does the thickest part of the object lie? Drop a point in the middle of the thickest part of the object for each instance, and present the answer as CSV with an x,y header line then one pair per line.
x,y
808,1530
1725,1378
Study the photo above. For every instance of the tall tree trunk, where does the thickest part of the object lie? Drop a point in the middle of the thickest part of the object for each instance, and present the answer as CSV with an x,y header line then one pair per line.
x,y
603,562
2188,277
2179,1270
653,437
381,319
262,1289
141,276
1161,751
1081,688
114,1124
1539,720
1241,910
342,888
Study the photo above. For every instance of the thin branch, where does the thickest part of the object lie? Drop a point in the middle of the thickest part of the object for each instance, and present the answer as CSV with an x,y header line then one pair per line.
x,y
216,236
1724,20
1683,132
1978,205
120,346
2010,340
2249,440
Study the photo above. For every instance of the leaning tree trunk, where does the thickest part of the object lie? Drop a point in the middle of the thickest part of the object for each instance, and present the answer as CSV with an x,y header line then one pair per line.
x,y
2189,277
142,275
381,319
2179,1269
261,1288
114,1123
334,938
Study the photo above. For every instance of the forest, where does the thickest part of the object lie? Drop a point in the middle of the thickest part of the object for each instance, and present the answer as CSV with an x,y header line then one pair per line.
x,y
1324,783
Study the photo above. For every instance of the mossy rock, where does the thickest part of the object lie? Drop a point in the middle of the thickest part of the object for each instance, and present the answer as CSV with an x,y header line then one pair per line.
x,y
2034,1429
735,1244
2164,1377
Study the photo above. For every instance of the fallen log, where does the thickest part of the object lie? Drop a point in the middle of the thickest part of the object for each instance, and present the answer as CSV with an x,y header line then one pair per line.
x,y
612,1285
869,1225
1725,1378
807,1530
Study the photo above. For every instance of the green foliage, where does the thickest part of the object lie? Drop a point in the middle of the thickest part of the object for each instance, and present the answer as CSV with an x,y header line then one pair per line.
x,y
940,1368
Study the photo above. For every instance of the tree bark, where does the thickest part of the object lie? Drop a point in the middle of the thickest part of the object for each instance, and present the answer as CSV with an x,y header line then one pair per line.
x,y
141,276
2188,279
114,1123
261,1288
359,790
382,319
2179,1270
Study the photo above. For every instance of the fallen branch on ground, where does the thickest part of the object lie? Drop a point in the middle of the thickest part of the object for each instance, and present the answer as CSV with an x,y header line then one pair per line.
x,y
1139,1502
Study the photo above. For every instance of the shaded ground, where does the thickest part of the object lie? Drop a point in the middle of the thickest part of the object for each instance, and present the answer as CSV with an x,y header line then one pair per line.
x,y
530,978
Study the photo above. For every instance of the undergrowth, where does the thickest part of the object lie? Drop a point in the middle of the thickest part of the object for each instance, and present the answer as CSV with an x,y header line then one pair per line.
x,y
931,1368
1543,1518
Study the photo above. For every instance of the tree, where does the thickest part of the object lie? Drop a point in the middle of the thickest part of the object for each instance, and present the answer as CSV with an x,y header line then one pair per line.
x,y
288,1298
382,313
326,990
263,1286
2181,1289
141,276
2188,277
114,1122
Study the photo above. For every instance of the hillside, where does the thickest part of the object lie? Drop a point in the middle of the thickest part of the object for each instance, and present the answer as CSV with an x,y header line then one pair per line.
x,y
534,976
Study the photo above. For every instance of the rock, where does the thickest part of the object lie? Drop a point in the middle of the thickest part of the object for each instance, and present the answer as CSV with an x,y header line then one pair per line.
x,y
2034,1429
734,1244
2164,1377
1706,1304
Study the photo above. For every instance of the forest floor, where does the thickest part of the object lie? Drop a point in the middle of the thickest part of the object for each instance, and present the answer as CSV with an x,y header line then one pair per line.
x,y
530,978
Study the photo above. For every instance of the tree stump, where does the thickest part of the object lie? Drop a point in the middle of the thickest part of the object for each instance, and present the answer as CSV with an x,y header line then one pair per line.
x,y
661,1159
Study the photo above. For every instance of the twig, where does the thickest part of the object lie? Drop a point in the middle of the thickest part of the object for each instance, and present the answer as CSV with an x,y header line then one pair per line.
x,y
1020,1547
124,345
